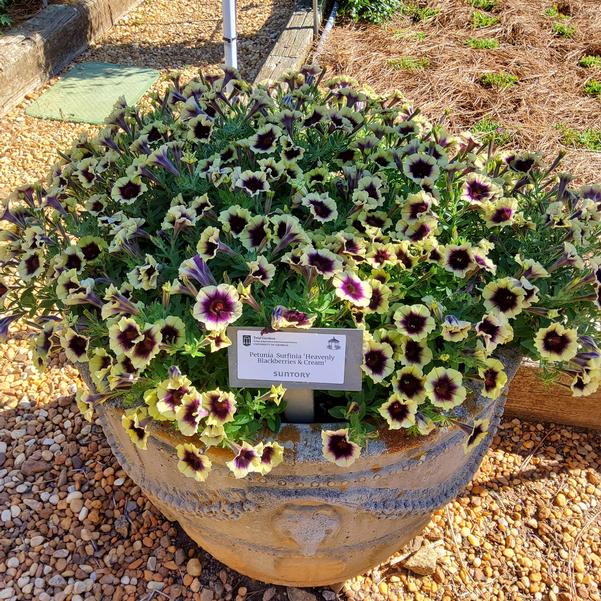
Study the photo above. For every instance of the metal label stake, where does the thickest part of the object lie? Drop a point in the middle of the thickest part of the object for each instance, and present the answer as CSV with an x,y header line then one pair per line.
x,y
300,407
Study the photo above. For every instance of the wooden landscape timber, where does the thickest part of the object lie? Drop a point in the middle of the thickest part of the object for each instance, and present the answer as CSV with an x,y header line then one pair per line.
x,y
530,399
42,46
293,45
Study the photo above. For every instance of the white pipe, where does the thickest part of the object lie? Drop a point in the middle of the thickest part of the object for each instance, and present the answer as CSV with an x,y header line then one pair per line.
x,y
326,32
316,19
229,33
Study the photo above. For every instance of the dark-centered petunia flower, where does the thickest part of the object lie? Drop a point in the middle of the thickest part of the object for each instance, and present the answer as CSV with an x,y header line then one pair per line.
x,y
261,271
31,265
378,363
147,347
75,345
170,393
478,433
245,461
379,299
291,153
200,129
190,412
192,463
234,219
325,262
127,190
500,212
414,321
339,448
531,269
444,387
217,306
398,412
408,382
173,332
217,340
478,188
504,297
253,182
586,382
270,454
380,255
282,317
419,167
220,405
494,330
523,162
136,423
349,287
287,230
145,276
256,234
458,259
265,139
556,343
455,330
415,352
100,365
416,205
91,247
494,377
322,207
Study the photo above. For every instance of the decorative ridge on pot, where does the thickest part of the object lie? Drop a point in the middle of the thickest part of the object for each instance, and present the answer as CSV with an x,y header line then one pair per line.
x,y
227,211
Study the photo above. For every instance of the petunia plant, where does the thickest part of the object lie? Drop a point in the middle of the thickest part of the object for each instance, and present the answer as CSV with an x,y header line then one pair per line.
x,y
297,204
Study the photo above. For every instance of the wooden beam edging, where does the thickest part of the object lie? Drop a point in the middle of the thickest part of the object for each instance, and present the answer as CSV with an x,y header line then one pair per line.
x,y
42,46
529,399
293,45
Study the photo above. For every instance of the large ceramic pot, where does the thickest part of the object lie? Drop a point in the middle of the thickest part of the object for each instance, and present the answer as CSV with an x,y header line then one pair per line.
x,y
309,522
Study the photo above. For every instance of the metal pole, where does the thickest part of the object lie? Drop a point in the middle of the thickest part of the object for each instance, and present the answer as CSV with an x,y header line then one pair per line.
x,y
299,405
315,18
229,33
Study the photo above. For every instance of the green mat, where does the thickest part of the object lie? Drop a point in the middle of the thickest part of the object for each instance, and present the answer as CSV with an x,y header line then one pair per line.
x,y
88,92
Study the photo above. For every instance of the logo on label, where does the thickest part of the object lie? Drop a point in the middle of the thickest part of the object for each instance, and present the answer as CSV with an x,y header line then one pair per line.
x,y
246,340
333,344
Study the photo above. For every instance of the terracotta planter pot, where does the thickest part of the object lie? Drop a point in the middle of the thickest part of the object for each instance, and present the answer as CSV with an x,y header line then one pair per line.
x,y
309,522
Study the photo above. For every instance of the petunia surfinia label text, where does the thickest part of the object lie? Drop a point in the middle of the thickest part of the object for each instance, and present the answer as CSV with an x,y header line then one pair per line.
x,y
317,358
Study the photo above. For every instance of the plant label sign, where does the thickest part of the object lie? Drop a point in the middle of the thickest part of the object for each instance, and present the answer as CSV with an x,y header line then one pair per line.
x,y
316,358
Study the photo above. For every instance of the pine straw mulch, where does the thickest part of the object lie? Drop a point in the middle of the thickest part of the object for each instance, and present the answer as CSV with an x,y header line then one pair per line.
x,y
548,96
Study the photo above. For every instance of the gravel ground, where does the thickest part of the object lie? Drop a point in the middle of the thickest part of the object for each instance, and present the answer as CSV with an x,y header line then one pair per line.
x,y
74,526
170,35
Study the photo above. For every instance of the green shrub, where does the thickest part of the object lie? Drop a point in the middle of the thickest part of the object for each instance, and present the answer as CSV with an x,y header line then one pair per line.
x,y
590,61
500,79
409,63
481,19
563,30
557,12
593,88
483,4
418,13
5,20
589,138
489,130
372,11
482,43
